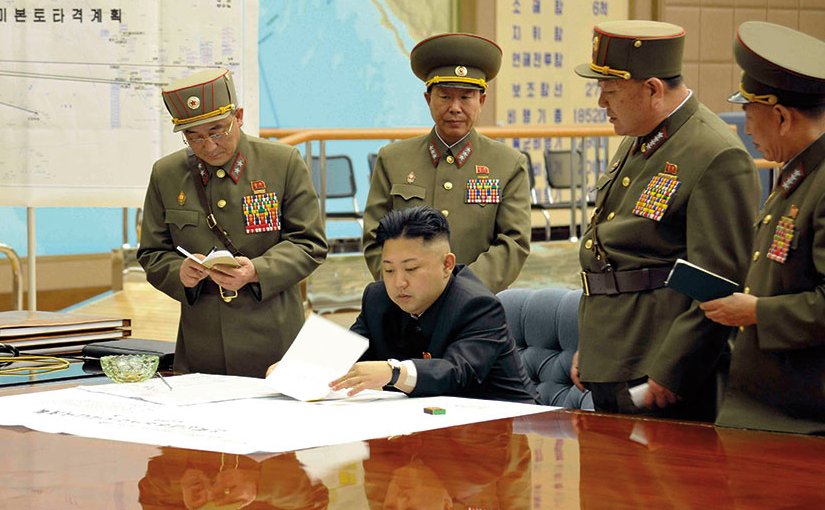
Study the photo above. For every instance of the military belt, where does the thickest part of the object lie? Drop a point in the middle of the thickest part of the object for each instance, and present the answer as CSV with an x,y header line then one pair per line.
x,y
621,282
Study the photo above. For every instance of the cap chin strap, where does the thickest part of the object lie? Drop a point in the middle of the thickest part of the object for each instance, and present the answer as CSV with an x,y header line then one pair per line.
x,y
606,70
768,99
208,115
435,80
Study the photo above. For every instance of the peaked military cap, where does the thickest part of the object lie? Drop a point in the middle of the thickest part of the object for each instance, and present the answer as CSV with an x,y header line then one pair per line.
x,y
201,98
780,65
456,60
635,49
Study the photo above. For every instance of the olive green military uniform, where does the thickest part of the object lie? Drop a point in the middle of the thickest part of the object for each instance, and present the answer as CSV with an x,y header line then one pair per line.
x,y
686,190
658,332
246,335
777,375
492,238
480,185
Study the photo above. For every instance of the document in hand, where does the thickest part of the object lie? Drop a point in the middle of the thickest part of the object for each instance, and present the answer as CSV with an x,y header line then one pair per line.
x,y
213,259
699,283
322,352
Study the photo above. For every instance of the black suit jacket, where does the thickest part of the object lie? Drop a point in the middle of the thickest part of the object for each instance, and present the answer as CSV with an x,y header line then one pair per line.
x,y
465,333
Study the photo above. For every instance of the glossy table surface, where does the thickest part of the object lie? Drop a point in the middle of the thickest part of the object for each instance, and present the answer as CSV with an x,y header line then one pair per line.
x,y
561,459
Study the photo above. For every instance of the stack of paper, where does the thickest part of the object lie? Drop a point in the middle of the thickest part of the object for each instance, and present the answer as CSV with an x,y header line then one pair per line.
x,y
39,332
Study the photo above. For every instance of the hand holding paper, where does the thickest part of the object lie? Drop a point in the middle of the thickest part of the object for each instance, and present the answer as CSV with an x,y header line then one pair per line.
x,y
216,257
322,352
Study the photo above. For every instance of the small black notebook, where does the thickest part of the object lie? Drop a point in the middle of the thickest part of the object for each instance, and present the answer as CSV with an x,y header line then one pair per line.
x,y
699,283
165,350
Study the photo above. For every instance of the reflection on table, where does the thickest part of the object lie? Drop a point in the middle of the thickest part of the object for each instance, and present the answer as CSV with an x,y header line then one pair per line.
x,y
562,459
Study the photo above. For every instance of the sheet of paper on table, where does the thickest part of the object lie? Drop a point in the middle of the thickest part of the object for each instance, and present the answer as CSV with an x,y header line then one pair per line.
x,y
192,389
322,352
247,425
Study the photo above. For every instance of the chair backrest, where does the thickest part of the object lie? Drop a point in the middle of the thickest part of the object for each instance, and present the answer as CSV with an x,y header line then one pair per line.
x,y
372,157
340,176
557,165
738,119
545,325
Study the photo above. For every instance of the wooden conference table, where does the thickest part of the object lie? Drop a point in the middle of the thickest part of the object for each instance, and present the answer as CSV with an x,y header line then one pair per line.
x,y
558,460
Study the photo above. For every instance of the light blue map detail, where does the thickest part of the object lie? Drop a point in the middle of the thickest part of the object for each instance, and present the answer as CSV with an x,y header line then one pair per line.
x,y
338,64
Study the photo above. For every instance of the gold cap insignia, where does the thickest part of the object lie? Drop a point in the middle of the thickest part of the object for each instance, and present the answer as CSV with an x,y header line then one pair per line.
x,y
193,102
181,198
595,44
410,177
460,71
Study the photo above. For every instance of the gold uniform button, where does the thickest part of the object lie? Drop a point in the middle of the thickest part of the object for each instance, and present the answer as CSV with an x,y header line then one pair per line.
x,y
626,182
445,212
755,256
588,244
766,219
611,216
747,290
450,160
221,203
221,173
741,329
448,186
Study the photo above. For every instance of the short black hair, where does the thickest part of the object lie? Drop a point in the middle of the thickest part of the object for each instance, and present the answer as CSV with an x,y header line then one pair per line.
x,y
674,81
812,112
413,223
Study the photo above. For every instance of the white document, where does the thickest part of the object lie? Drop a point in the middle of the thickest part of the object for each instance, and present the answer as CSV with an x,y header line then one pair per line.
x,y
189,389
213,259
637,394
322,352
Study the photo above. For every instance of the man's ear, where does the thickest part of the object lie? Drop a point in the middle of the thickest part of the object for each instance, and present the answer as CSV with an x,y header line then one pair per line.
x,y
239,116
655,87
449,263
783,118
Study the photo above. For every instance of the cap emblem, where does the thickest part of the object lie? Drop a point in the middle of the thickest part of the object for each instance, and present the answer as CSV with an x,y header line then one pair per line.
x,y
193,102
460,71
595,44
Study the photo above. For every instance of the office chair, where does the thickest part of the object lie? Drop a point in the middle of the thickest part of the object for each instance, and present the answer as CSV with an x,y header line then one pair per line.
x,y
372,157
538,198
340,184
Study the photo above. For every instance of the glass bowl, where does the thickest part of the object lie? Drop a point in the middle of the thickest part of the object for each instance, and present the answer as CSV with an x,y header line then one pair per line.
x,y
125,368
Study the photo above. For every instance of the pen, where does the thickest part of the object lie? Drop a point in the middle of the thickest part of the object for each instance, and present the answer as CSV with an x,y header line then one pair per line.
x,y
164,380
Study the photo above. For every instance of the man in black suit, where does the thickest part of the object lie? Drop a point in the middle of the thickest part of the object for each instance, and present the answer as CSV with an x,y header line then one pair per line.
x,y
449,330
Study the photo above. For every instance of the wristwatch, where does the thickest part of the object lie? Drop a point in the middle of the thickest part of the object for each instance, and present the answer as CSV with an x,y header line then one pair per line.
x,y
395,365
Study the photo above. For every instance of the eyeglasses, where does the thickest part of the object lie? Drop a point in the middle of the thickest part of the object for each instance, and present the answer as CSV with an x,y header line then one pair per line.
x,y
217,137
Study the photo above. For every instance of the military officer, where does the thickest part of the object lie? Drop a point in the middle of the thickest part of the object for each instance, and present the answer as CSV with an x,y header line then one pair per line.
x,y
680,185
777,375
249,196
481,185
